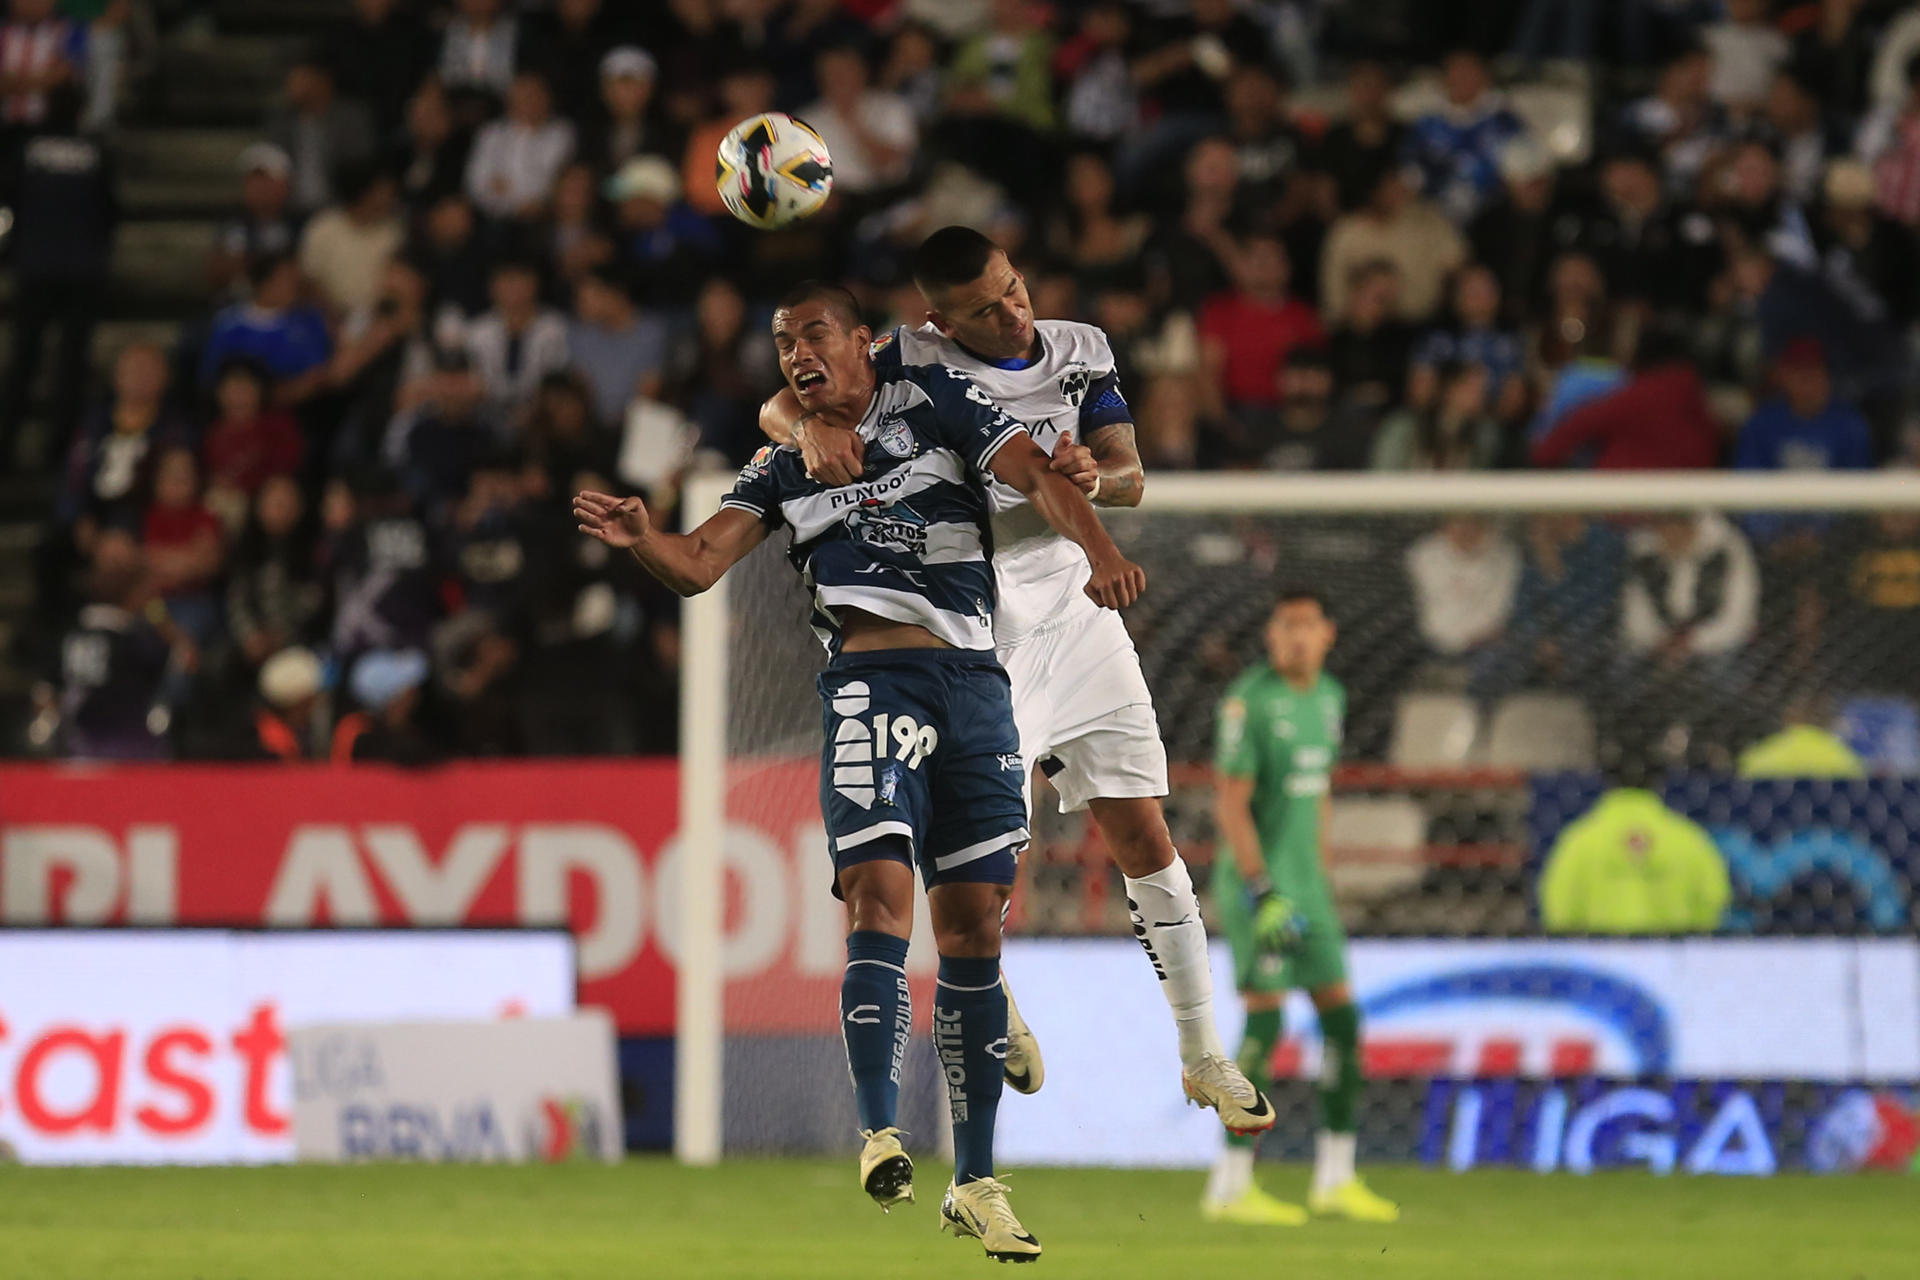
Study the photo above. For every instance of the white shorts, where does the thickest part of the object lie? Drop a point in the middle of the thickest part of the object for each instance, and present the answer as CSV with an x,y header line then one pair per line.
x,y
1084,713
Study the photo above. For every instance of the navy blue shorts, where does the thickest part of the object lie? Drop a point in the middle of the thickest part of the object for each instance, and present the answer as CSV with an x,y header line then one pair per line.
x,y
920,743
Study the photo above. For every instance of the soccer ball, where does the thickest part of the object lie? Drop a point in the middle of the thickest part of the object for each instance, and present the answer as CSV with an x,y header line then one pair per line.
x,y
773,169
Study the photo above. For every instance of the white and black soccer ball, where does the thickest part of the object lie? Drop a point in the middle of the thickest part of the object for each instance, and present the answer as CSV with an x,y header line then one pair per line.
x,y
772,170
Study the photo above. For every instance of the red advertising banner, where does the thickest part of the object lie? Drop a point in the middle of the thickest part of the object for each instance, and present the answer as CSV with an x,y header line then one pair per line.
x,y
587,844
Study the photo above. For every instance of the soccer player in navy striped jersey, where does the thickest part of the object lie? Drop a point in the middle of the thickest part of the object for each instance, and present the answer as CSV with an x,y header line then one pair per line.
x,y
921,760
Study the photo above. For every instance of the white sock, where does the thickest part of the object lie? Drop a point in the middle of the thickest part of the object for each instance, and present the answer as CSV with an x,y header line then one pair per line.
x,y
1232,1174
1166,920
1332,1160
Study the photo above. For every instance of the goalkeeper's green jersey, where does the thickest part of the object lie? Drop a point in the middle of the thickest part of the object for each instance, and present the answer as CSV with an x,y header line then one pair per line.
x,y
1287,742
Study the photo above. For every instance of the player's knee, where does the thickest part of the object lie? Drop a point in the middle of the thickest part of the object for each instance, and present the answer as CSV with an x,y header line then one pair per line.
x,y
1136,834
966,918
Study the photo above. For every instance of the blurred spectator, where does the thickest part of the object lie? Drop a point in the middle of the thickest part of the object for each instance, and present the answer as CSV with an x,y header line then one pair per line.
x,y
1518,234
1650,249
1692,590
1793,120
1455,433
385,579
1088,233
274,328
1659,420
1747,49
1464,575
64,215
1271,150
1889,141
120,663
1000,100
436,443
1102,102
1742,187
1899,44
383,355
745,90
1369,350
344,249
478,53
722,371
570,44
1191,259
274,596
910,71
249,440
1865,356
265,226
870,133
516,158
1457,148
452,256
1473,336
1577,320
110,466
184,545
290,724
574,240
1180,66
378,52
1306,431
561,437
430,155
1865,255
1632,865
1366,141
518,342
1804,428
1247,334
1565,618
1834,55
1680,119
1398,226
387,686
624,125
665,246
320,131
40,52
617,348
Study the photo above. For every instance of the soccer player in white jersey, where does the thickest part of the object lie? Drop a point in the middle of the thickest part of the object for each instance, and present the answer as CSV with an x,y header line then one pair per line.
x,y
1080,700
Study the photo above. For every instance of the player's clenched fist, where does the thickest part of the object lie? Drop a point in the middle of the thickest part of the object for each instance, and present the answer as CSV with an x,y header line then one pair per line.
x,y
1116,583
1076,462
618,522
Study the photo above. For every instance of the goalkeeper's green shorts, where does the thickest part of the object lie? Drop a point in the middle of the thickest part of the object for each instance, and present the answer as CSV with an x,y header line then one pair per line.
x,y
1318,960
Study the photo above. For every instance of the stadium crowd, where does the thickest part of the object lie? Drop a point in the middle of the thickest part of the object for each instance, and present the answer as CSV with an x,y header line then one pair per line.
x,y
476,260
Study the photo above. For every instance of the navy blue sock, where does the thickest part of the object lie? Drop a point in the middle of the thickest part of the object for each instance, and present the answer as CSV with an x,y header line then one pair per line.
x,y
876,1016
970,1033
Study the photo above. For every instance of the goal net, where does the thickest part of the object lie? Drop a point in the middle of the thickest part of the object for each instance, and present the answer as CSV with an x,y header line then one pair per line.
x,y
1511,644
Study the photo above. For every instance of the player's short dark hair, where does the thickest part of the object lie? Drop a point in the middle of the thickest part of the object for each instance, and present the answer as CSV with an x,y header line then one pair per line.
x,y
838,300
1300,593
951,256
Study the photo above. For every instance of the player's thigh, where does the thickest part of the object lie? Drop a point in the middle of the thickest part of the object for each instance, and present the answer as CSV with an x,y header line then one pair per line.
x,y
1104,741
878,891
875,793
978,823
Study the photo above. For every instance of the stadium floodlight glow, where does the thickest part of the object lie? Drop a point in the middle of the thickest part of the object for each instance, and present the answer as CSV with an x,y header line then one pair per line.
x,y
747,701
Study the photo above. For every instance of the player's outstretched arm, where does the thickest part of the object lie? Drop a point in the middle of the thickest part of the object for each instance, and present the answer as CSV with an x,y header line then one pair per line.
x,y
687,563
1106,466
1022,465
1233,821
832,454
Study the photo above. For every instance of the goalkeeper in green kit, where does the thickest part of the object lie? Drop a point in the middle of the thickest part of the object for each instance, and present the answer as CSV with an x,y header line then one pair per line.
x,y
1277,738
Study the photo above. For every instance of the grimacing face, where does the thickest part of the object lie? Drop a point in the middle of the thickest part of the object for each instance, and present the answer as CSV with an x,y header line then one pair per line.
x,y
823,360
1298,637
990,315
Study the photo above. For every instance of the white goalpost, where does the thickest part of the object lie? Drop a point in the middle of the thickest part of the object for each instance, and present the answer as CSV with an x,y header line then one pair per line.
x,y
1180,515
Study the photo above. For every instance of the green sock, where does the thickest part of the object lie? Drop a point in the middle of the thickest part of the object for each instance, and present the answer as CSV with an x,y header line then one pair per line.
x,y
1256,1059
1339,1099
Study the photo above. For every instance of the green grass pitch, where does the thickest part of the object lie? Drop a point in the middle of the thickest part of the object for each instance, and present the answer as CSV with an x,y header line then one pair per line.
x,y
647,1218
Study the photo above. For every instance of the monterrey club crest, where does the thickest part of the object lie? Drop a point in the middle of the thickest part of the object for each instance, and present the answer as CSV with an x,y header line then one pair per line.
x,y
1074,383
